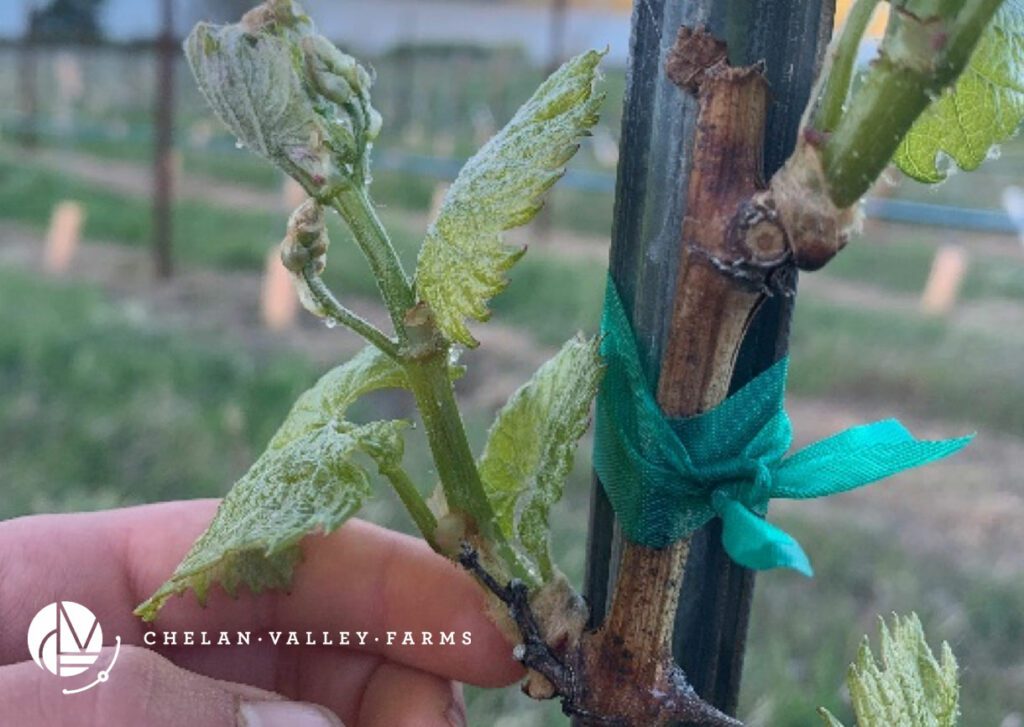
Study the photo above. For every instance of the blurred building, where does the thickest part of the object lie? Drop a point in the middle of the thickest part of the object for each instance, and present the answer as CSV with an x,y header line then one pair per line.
x,y
381,25
377,26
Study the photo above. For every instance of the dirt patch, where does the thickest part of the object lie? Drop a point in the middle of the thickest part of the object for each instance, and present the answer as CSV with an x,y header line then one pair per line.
x,y
967,508
988,316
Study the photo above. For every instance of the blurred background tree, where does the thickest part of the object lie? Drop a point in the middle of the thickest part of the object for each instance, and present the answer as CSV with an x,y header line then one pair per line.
x,y
66,21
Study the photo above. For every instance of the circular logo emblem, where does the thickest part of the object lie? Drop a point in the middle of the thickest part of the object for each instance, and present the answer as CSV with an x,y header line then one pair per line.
x,y
65,638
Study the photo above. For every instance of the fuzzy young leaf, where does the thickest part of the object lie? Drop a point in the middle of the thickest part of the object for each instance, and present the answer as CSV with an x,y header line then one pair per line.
x,y
463,261
331,396
531,446
288,94
982,109
307,480
908,686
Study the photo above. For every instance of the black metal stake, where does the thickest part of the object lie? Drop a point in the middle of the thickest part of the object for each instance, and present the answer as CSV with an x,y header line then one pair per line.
x,y
657,135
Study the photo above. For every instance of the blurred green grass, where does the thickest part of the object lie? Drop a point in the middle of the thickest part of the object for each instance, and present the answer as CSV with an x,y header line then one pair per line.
x,y
930,368
97,410
902,264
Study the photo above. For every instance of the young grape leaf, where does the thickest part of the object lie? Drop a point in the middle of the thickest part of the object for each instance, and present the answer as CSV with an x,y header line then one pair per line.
x,y
982,109
463,261
909,686
288,94
308,479
331,396
531,446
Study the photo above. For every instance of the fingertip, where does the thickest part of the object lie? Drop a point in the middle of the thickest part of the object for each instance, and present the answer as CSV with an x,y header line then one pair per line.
x,y
292,714
400,696
140,688
403,587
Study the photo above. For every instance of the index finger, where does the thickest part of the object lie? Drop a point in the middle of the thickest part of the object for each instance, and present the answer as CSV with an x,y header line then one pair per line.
x,y
361,578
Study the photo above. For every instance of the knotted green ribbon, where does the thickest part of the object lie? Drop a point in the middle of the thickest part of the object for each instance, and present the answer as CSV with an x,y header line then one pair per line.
x,y
668,477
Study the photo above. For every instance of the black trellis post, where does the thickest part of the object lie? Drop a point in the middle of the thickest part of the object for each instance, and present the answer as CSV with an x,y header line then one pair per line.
x,y
790,36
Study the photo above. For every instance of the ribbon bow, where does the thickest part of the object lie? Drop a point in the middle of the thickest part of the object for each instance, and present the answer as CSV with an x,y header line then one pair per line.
x,y
667,477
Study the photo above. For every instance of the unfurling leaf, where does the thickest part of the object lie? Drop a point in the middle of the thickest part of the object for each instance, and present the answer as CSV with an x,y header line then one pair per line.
x,y
331,396
982,109
288,94
909,686
463,261
307,480
531,446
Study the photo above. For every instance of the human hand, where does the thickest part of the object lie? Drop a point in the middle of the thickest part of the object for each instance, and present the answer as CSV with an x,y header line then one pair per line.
x,y
360,578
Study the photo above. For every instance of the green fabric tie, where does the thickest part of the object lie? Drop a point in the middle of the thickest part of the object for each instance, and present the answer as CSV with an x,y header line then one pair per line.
x,y
668,477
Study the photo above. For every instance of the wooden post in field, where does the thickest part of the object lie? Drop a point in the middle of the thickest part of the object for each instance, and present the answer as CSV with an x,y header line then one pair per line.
x,y
654,167
292,194
949,266
63,236
163,159
279,305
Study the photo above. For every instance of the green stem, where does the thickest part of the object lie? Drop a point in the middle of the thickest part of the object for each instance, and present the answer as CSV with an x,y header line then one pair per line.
x,y
456,467
900,85
326,300
355,207
839,65
971,24
429,379
414,503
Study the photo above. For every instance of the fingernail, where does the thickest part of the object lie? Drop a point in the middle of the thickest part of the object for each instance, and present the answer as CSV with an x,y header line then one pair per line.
x,y
456,712
285,714
456,715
